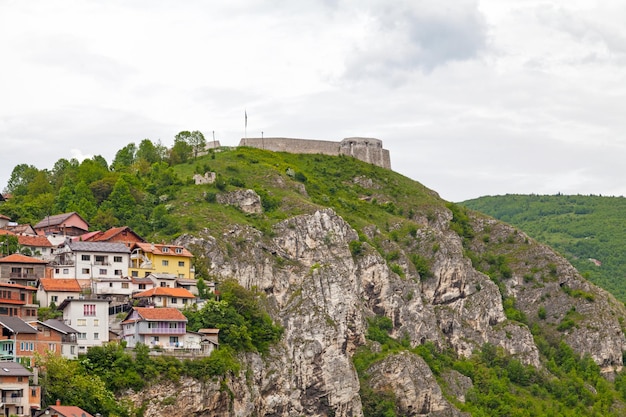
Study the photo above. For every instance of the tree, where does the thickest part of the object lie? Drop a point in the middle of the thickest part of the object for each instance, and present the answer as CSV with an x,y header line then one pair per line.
x,y
21,176
182,150
122,201
8,244
197,142
124,158
149,152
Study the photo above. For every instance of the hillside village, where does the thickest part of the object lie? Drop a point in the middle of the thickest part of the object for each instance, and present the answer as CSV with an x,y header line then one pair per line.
x,y
98,286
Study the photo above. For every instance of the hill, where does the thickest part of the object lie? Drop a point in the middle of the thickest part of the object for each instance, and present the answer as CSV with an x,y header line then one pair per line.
x,y
390,300
589,231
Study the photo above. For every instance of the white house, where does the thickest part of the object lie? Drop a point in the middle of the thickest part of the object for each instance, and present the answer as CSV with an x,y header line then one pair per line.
x,y
91,260
90,318
166,297
154,327
52,290
116,287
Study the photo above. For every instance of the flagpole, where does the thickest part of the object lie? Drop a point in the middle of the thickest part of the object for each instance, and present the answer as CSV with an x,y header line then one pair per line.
x,y
245,112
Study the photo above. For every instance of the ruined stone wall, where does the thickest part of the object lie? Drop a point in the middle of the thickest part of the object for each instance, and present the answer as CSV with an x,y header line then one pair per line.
x,y
366,149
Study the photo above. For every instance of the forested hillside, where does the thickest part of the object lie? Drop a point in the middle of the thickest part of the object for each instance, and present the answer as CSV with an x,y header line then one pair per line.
x,y
590,231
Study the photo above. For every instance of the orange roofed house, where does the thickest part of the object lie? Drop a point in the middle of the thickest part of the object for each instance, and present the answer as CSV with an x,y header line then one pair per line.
x,y
59,410
150,258
166,297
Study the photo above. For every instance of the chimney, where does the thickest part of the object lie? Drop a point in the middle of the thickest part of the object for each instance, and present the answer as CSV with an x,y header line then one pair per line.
x,y
58,402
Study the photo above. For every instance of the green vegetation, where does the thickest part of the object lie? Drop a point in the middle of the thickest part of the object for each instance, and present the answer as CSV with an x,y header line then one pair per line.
x,y
587,230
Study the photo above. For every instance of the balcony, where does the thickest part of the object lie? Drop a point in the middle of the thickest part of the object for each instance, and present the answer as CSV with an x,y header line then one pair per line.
x,y
24,275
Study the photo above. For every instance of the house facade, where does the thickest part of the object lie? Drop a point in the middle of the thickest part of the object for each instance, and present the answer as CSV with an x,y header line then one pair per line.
x,y
90,318
68,337
91,260
18,300
38,247
22,269
17,396
57,290
155,327
150,258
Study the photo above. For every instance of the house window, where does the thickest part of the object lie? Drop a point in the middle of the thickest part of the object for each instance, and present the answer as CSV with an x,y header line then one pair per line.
x,y
179,250
152,325
165,262
163,284
96,336
125,285
85,257
134,273
57,271
181,275
19,410
101,260
174,300
142,286
85,271
72,350
110,285
20,379
96,322
54,298
173,325
82,336
117,259
173,339
81,322
184,301
181,263
118,272
103,272
165,250
66,271
89,310
52,347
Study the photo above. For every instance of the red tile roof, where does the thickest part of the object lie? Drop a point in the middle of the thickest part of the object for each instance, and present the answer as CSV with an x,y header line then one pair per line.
x,y
6,232
165,291
162,313
70,411
112,232
39,241
17,258
60,284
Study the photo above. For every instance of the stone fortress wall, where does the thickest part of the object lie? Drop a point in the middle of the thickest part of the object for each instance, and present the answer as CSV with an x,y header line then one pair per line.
x,y
365,149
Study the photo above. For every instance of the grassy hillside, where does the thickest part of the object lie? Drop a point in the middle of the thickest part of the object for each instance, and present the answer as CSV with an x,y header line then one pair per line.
x,y
590,231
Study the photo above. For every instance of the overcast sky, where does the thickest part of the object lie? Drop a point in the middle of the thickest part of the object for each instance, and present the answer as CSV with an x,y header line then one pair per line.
x,y
471,98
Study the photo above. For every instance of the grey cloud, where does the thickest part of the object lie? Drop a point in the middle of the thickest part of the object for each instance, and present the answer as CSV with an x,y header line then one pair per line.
x,y
410,36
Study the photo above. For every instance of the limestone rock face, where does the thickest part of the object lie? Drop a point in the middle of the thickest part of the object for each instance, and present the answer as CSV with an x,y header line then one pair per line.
x,y
322,294
246,200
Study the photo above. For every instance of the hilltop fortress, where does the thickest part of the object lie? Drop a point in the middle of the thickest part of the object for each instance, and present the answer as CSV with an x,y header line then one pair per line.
x,y
366,149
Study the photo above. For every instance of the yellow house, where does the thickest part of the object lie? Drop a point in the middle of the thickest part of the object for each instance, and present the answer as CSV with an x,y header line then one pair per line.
x,y
151,258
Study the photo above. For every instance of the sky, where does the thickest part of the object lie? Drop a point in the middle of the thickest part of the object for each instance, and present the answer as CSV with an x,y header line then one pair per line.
x,y
471,98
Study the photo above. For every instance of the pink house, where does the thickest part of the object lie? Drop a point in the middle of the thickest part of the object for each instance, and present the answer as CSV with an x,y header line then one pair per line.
x,y
66,224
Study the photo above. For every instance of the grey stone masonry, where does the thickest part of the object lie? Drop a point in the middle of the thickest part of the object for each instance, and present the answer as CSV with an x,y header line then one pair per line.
x,y
365,149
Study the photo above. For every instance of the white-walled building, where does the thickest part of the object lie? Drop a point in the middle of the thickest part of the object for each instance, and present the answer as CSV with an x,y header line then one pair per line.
x,y
53,290
90,318
155,327
91,260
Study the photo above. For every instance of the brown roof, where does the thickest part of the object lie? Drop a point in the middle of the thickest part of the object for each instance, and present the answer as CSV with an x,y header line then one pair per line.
x,y
60,284
39,241
2,216
56,220
17,258
165,291
162,313
157,249
114,231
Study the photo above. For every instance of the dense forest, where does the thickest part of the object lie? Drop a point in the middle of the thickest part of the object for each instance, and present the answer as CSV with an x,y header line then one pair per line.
x,y
149,188
589,231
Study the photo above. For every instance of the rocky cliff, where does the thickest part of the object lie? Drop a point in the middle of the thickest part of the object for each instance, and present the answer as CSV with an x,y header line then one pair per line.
x,y
324,280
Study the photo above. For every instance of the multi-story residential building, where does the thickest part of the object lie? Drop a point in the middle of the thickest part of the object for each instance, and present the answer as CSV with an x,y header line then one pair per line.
x,y
90,318
17,396
119,289
150,258
154,327
68,337
166,297
22,269
18,300
18,341
57,290
91,260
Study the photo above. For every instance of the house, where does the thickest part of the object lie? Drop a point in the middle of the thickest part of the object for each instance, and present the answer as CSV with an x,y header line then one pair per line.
x,y
36,246
209,340
166,297
22,269
190,285
91,260
66,224
18,300
163,280
22,229
90,318
18,340
59,410
68,337
18,397
120,288
4,221
154,327
150,258
117,234
57,290
142,283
